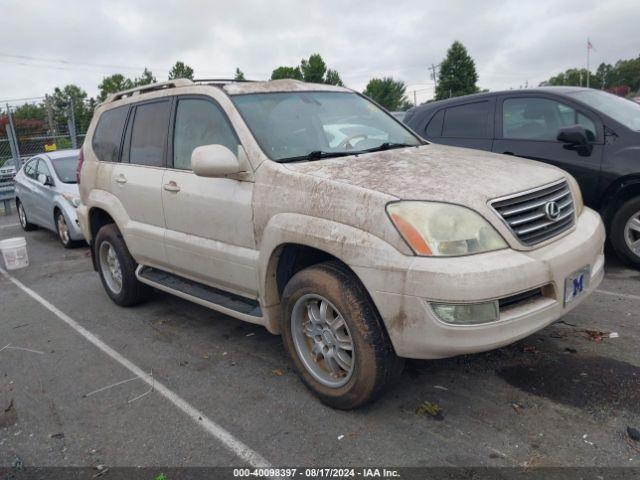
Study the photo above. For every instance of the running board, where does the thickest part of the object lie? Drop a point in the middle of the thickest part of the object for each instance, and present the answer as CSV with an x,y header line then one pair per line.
x,y
211,297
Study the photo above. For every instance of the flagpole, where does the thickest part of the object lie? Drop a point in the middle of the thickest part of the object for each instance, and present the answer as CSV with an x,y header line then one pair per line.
x,y
588,51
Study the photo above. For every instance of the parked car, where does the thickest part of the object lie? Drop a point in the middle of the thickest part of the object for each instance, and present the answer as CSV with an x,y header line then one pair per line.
x,y
593,135
47,195
231,195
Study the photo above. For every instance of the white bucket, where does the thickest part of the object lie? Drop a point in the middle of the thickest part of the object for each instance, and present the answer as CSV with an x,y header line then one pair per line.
x,y
14,252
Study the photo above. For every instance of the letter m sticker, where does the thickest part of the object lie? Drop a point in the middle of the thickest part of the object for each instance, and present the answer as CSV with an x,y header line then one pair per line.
x,y
578,285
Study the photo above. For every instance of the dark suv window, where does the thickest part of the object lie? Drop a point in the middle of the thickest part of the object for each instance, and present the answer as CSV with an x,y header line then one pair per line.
x,y
149,134
532,118
199,122
467,121
106,139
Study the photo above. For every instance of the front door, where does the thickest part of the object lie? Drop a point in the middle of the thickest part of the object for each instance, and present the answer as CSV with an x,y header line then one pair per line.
x,y
137,181
209,221
528,127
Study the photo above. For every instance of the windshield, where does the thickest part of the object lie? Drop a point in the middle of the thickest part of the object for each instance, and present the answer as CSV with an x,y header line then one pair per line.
x,y
295,124
621,110
66,169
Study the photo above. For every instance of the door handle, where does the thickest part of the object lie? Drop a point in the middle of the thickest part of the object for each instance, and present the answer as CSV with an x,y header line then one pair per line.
x,y
121,179
171,186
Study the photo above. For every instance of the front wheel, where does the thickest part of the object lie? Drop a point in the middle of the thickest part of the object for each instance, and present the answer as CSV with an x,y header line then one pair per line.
x,y
117,268
63,231
335,337
625,232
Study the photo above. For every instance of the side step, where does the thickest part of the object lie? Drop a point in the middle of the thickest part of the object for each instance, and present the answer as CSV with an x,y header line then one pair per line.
x,y
214,298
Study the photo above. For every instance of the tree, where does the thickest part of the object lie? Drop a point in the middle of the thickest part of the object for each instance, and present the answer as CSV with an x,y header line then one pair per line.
x,y
286,72
29,111
457,74
112,84
61,102
313,69
239,75
388,92
181,70
333,78
145,79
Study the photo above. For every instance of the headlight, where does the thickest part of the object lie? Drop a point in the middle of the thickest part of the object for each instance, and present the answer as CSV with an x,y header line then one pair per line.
x,y
442,229
577,195
74,200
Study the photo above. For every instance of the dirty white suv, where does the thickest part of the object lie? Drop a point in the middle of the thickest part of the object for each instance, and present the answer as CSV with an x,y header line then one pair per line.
x,y
310,210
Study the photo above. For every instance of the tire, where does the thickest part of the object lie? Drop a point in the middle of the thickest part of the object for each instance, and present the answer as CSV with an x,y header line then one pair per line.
x,y
374,363
63,231
22,217
110,247
625,229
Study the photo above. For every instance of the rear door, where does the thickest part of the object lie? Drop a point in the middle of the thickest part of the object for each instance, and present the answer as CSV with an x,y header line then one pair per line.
x,y
209,221
528,126
137,180
467,125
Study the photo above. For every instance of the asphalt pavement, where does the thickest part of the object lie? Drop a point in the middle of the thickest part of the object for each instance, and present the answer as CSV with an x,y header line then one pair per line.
x,y
84,382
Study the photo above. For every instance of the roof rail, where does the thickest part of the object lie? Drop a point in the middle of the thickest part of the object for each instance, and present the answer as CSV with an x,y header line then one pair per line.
x,y
152,87
222,80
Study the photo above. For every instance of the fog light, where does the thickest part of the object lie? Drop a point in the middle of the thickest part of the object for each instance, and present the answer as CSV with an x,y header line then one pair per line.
x,y
467,314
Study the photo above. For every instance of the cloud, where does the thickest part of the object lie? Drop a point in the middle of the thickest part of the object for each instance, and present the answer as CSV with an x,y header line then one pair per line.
x,y
511,42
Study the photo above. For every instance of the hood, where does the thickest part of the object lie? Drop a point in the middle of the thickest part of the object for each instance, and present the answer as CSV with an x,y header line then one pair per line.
x,y
435,172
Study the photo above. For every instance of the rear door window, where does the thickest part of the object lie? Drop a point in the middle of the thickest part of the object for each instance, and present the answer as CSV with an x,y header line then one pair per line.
x,y
471,120
149,134
108,134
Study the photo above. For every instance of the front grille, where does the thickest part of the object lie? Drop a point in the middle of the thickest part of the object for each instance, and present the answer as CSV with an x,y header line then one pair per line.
x,y
526,216
520,298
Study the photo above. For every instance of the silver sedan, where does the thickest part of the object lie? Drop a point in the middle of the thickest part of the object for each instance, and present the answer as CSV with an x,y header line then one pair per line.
x,y
47,195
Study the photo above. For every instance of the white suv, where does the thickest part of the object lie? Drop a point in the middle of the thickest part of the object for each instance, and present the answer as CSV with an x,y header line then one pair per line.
x,y
312,211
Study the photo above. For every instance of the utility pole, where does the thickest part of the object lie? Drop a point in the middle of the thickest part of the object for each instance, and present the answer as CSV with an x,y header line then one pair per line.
x,y
71,122
52,127
415,99
433,74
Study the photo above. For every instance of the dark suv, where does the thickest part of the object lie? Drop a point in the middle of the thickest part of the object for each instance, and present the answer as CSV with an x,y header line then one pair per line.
x,y
593,135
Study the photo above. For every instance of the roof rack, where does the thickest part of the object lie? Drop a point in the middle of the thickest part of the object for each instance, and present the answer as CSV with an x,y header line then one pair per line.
x,y
178,82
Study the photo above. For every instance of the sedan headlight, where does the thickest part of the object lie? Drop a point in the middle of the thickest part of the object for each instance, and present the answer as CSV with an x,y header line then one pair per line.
x,y
577,195
442,229
74,200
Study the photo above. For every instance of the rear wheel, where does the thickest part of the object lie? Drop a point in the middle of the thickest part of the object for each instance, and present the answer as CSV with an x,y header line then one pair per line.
x,y
335,337
117,268
22,216
625,231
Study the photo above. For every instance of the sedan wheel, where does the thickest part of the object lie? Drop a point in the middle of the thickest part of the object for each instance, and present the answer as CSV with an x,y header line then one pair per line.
x,y
63,230
22,217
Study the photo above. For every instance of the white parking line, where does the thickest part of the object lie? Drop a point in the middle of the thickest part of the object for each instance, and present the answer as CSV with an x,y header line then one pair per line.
x,y
10,225
623,295
215,430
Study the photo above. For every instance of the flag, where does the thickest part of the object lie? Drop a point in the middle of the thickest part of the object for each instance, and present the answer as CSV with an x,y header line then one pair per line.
x,y
590,45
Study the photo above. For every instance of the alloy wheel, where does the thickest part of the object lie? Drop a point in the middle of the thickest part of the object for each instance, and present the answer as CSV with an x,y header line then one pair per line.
x,y
632,233
110,267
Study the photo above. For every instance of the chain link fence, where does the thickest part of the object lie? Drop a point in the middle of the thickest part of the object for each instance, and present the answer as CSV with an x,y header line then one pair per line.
x,y
27,129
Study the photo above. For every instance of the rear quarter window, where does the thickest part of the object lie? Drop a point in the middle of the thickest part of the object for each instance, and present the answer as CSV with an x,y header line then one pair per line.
x,y
467,121
108,135
434,127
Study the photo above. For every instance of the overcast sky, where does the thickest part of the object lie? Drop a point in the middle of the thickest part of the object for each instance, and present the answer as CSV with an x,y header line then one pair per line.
x,y
44,44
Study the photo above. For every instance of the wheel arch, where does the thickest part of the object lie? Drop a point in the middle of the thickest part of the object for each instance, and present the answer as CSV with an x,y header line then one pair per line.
x,y
616,194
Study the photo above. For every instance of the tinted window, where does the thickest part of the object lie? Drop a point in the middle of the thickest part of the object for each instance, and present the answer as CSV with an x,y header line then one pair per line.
x,y
149,134
467,121
106,139
540,119
199,122
66,169
30,168
434,128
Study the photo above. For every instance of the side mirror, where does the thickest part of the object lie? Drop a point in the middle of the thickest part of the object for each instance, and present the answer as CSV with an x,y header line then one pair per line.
x,y
44,180
214,161
575,138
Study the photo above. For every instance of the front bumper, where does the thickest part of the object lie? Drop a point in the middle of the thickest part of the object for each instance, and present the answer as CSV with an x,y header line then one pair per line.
x,y
403,290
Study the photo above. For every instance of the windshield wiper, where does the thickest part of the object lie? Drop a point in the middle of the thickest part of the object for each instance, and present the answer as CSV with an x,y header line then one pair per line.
x,y
386,146
315,155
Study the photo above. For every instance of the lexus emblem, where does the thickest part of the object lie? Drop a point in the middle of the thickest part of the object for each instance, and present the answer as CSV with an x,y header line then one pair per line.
x,y
552,211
